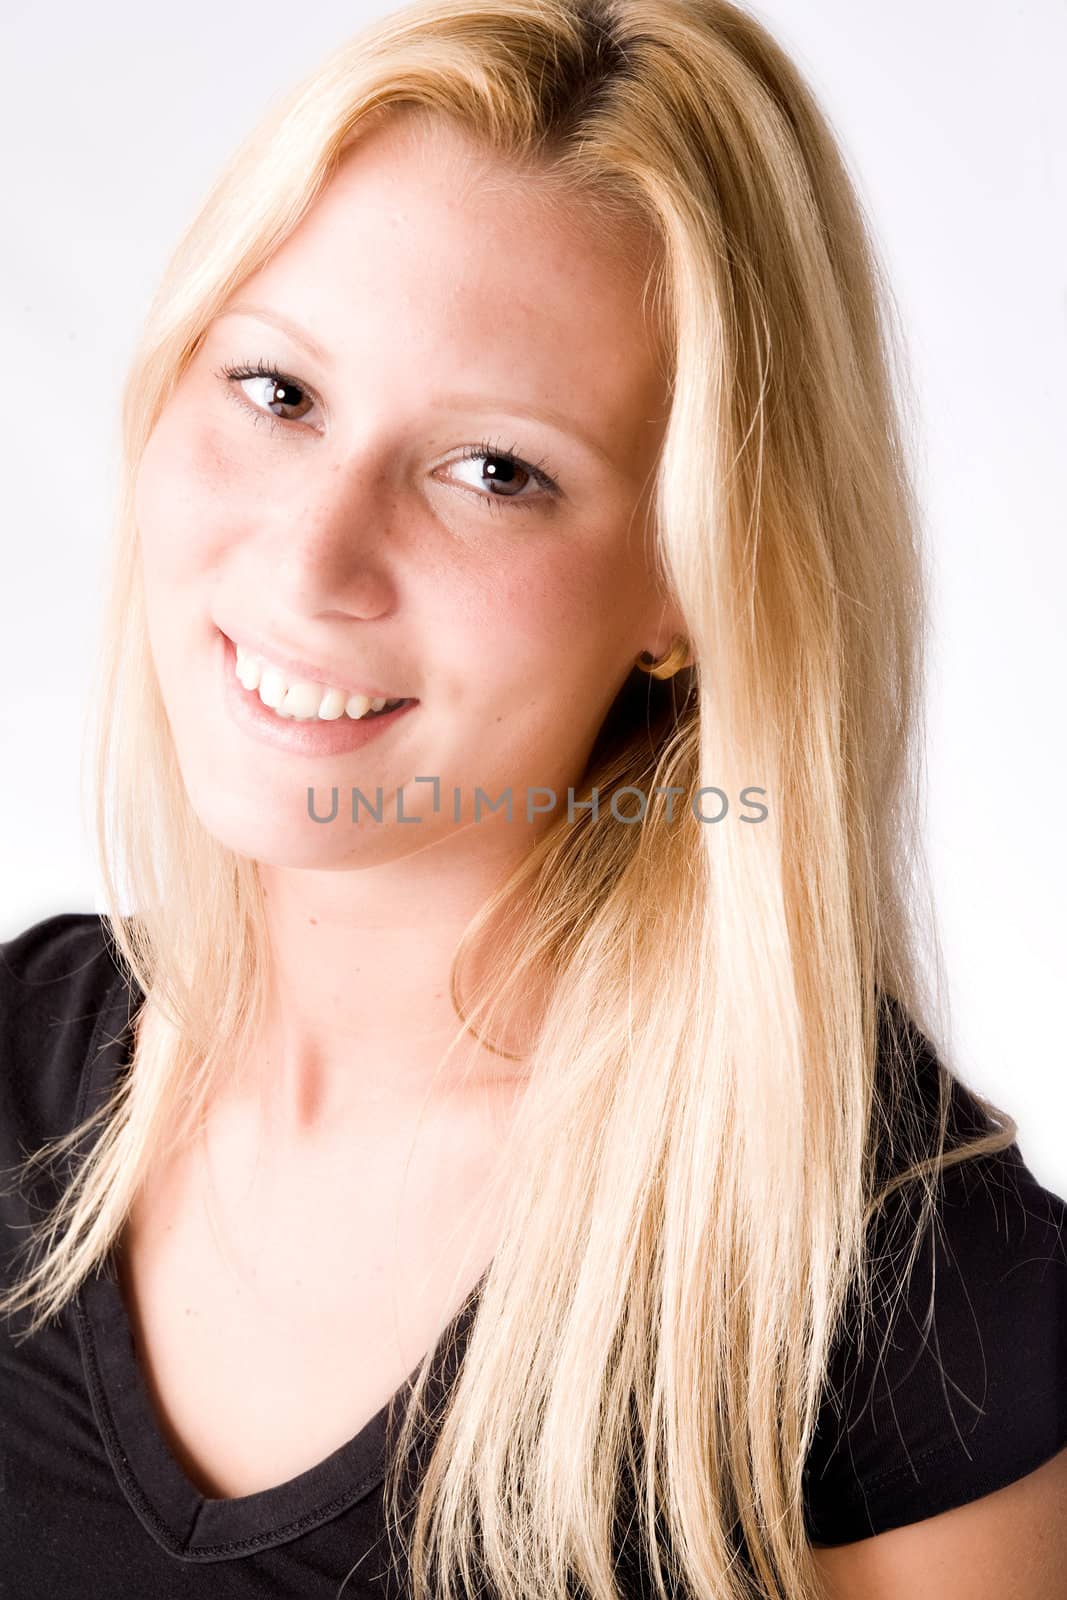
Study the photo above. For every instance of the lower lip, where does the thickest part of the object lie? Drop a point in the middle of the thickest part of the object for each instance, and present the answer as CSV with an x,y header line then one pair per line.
x,y
313,737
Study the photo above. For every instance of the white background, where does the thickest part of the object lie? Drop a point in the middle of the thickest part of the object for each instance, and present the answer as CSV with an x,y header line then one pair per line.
x,y
117,117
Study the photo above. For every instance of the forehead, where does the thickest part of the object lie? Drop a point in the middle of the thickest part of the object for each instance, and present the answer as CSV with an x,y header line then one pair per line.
x,y
429,250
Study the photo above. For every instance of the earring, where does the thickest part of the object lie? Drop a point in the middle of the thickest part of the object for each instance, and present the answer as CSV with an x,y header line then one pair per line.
x,y
676,658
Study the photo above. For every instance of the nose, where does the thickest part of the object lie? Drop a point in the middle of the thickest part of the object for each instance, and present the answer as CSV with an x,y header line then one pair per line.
x,y
334,556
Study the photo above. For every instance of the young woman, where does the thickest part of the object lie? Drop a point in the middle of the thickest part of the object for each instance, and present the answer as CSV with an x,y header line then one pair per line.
x,y
500,1138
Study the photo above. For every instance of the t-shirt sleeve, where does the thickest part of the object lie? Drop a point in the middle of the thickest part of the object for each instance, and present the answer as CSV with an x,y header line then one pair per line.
x,y
960,1384
54,978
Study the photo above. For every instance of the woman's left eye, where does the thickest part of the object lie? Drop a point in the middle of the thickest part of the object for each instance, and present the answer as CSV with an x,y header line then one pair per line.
x,y
507,477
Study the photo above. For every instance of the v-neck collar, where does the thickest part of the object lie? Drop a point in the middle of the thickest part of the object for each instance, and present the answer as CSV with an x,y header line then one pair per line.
x,y
179,1517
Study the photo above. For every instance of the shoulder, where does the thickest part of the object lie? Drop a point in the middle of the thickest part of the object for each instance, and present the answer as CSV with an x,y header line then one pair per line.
x,y
52,965
56,977
1010,1542
958,1385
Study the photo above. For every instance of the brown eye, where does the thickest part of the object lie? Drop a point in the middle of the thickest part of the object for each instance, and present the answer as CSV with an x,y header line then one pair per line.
x,y
270,392
503,476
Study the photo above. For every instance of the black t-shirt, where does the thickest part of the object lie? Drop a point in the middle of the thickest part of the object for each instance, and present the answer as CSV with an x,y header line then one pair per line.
x,y
93,1503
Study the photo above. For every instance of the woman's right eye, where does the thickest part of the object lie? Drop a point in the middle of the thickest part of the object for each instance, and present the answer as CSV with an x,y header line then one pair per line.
x,y
275,388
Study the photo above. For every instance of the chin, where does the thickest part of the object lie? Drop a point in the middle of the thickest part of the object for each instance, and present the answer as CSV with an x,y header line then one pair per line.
x,y
281,834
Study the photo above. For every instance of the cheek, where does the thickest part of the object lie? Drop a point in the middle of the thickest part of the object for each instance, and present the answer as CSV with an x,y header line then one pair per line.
x,y
549,603
546,636
184,484
565,613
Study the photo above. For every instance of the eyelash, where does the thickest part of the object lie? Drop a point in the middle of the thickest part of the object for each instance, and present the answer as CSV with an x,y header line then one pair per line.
x,y
267,369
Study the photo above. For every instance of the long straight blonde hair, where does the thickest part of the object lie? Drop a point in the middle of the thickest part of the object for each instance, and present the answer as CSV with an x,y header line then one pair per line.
x,y
699,1143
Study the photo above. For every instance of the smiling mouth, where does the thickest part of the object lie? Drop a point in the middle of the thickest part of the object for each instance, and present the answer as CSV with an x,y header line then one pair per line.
x,y
304,699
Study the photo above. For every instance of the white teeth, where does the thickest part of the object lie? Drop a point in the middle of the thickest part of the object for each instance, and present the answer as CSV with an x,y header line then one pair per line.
x,y
333,705
302,701
249,670
272,688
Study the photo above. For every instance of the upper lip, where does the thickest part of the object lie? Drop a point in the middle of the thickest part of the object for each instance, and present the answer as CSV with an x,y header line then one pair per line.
x,y
300,670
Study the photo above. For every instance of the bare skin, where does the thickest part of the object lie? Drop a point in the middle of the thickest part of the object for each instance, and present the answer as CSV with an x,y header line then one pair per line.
x,y
280,1296
1009,1545
346,527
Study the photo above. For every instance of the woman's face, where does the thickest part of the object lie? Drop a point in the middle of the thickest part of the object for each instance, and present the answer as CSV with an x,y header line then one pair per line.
x,y
355,517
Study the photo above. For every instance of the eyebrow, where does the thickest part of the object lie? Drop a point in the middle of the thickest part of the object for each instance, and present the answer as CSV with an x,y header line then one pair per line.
x,y
472,401
285,324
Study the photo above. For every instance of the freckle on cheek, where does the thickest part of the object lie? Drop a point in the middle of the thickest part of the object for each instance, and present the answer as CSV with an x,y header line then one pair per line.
x,y
210,457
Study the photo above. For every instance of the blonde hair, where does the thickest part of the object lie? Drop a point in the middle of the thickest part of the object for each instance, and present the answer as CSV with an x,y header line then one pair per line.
x,y
699,1143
